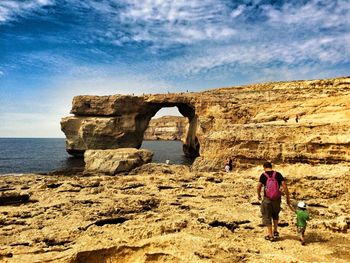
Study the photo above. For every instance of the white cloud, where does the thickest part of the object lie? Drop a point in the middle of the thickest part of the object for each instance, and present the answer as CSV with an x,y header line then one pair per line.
x,y
238,11
217,33
171,11
44,2
327,50
166,22
315,13
11,9
220,35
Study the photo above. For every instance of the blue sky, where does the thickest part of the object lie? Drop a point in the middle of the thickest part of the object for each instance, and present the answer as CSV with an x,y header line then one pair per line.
x,y
52,50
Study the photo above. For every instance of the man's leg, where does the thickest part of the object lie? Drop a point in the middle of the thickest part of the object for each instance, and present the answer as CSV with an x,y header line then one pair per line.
x,y
275,225
269,230
275,228
266,211
276,207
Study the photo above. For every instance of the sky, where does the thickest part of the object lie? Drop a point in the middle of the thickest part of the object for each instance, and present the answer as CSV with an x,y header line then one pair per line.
x,y
52,50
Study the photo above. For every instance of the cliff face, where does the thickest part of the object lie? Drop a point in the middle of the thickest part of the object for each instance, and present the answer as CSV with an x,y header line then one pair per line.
x,y
167,128
298,121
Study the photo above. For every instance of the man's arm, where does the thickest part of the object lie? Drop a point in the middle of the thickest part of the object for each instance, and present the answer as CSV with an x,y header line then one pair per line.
x,y
286,191
258,188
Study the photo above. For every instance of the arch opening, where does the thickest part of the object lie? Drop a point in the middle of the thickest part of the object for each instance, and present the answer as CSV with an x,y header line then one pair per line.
x,y
172,127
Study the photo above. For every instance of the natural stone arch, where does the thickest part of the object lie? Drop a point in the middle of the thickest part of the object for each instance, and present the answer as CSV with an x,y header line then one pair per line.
x,y
110,122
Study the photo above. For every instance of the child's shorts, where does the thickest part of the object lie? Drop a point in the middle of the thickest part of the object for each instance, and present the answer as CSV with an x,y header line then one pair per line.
x,y
301,230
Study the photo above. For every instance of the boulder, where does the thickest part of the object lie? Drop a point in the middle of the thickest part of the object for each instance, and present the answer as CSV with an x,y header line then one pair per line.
x,y
115,160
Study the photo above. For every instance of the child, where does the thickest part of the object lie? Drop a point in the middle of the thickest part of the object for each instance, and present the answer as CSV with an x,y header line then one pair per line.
x,y
302,217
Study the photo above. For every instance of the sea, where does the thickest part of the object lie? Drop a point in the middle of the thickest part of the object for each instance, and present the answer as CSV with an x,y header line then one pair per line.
x,y
43,155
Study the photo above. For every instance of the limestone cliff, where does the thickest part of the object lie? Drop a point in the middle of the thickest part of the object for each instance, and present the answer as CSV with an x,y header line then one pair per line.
x,y
167,128
297,121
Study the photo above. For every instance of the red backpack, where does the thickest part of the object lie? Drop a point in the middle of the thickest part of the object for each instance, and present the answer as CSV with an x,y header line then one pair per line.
x,y
272,188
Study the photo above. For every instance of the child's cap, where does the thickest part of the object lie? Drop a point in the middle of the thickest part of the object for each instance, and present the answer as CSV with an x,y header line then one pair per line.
x,y
302,204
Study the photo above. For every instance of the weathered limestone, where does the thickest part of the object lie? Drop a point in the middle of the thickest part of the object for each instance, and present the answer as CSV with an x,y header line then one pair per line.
x,y
168,213
167,128
117,160
298,121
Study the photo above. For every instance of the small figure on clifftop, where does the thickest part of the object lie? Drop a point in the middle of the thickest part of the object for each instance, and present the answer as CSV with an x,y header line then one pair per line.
x,y
297,118
302,217
228,165
285,119
271,203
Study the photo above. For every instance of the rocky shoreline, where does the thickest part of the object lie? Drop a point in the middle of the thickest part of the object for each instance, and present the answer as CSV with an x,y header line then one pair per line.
x,y
168,213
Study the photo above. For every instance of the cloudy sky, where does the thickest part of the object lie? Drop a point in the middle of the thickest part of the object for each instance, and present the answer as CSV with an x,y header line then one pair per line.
x,y
51,50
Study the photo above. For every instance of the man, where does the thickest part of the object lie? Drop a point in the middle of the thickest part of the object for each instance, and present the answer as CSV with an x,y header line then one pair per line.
x,y
271,204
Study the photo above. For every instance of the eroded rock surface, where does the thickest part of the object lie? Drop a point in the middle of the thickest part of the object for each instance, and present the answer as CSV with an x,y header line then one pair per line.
x,y
166,213
116,160
298,121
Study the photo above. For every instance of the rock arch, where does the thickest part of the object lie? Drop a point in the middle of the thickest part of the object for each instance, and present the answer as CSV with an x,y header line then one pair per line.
x,y
109,122
191,144
247,123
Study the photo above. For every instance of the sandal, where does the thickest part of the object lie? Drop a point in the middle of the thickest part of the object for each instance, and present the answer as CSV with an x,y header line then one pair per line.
x,y
269,238
276,234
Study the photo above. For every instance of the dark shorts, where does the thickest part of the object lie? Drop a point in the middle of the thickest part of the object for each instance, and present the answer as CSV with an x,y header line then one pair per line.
x,y
270,210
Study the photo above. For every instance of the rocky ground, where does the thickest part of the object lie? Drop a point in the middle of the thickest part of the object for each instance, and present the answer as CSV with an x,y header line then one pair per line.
x,y
167,213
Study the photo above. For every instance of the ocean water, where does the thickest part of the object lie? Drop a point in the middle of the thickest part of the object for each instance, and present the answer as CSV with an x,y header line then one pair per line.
x,y
34,155
167,150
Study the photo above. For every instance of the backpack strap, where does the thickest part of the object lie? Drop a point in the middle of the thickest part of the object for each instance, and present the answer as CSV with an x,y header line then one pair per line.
x,y
267,175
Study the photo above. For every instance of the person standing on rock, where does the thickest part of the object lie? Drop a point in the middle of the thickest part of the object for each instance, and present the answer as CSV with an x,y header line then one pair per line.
x,y
228,165
271,203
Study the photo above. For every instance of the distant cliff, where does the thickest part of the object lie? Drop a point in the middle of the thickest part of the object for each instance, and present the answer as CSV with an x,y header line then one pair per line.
x,y
167,128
